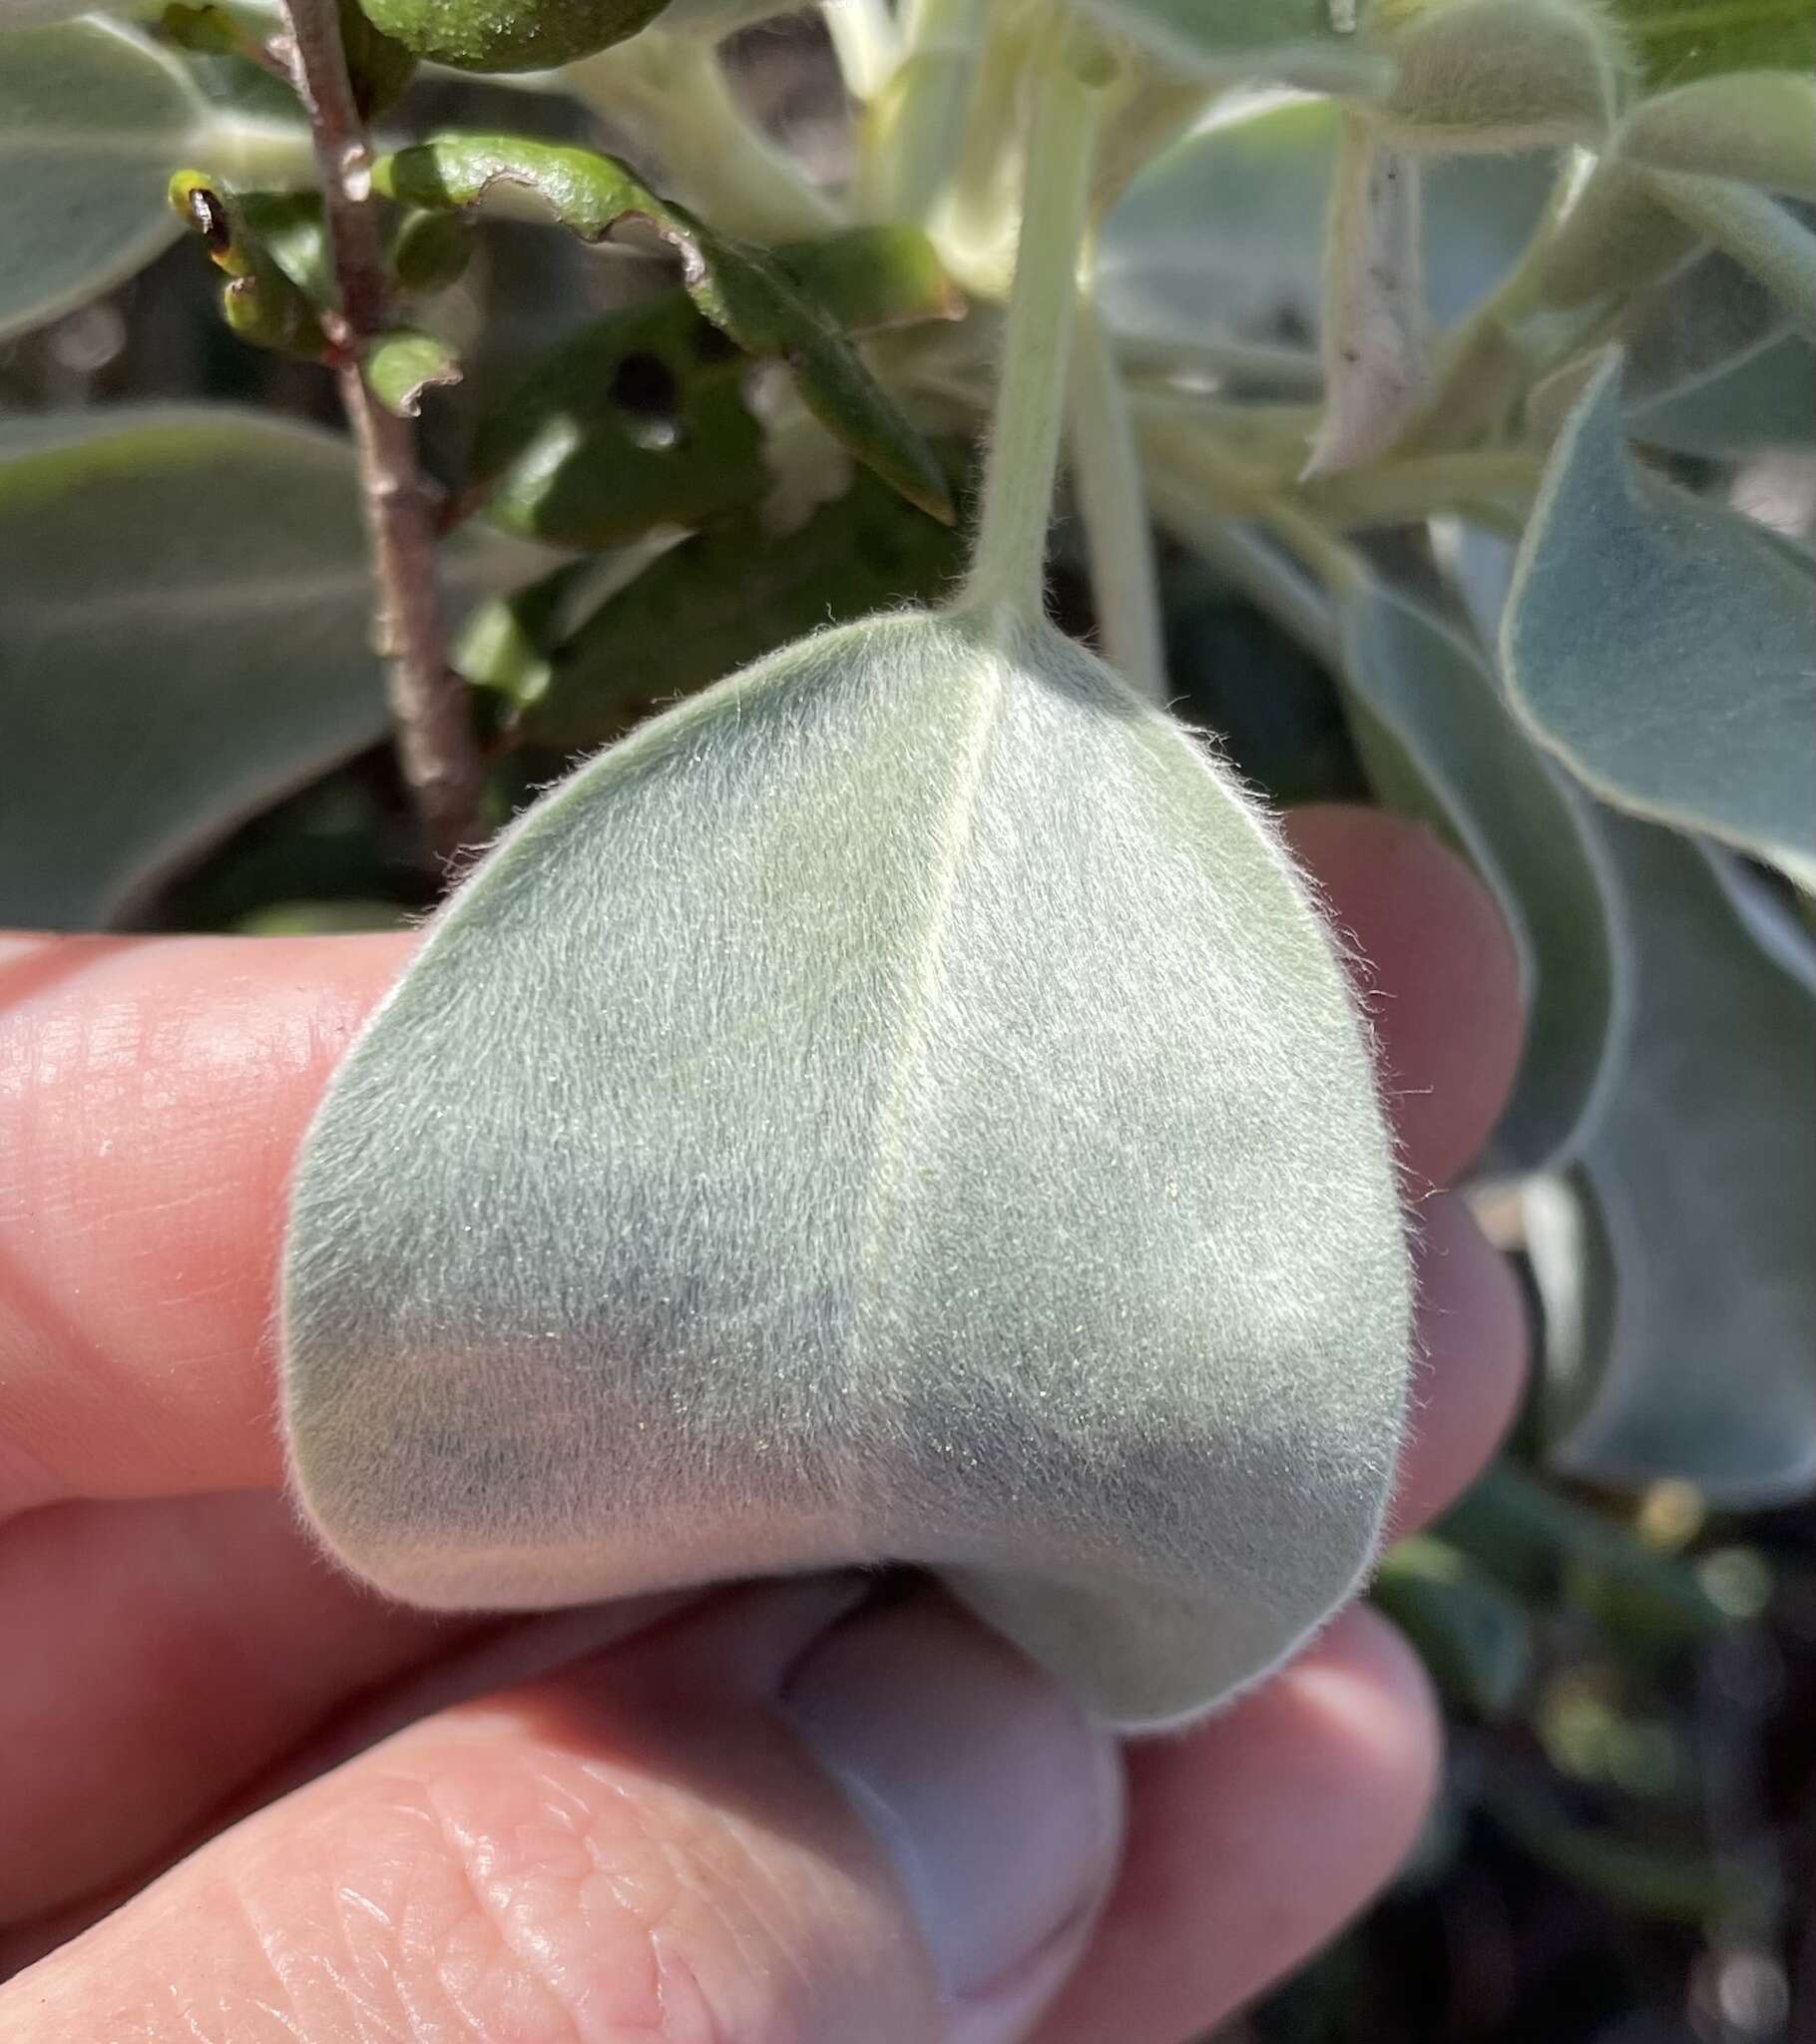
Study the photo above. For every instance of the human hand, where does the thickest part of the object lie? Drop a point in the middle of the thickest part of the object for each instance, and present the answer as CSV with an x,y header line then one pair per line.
x,y
788,1813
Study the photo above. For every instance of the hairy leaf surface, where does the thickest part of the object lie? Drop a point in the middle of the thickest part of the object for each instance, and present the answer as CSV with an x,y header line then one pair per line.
x,y
1660,647
900,1104
1703,1181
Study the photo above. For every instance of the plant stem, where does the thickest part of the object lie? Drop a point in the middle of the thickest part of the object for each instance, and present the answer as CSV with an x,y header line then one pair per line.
x,y
1010,547
1112,500
866,42
435,744
916,120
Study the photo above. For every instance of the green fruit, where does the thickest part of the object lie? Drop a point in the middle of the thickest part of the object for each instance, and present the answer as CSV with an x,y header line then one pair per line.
x,y
510,35
901,1105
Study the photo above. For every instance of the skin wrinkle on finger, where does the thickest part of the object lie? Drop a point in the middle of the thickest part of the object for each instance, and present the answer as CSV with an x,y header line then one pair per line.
x,y
555,1865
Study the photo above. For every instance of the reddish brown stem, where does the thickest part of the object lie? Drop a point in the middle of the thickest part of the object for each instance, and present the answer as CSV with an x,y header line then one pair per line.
x,y
435,742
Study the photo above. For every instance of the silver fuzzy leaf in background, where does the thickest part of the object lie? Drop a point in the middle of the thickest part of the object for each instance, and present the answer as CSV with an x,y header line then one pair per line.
x,y
902,1104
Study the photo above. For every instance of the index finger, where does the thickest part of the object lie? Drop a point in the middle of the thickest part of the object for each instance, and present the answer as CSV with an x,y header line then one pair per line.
x,y
153,1093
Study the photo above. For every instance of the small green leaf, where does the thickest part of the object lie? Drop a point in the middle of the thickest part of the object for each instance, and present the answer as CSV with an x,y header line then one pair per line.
x,y
429,252
509,35
1483,75
1703,1183
742,593
188,614
402,364
965,1152
1440,743
1660,647
744,292
263,300
92,118
1472,1635
1758,126
1676,42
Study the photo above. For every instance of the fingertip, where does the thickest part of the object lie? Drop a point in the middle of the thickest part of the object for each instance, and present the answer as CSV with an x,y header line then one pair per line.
x,y
1438,977
1471,1367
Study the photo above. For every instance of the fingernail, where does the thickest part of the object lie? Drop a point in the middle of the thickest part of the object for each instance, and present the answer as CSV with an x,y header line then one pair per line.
x,y
998,1800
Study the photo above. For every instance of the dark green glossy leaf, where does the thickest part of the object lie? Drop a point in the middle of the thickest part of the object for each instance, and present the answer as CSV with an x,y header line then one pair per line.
x,y
724,598
509,35
637,420
1530,1537
1472,1633
1660,647
744,292
1676,42
402,364
1439,742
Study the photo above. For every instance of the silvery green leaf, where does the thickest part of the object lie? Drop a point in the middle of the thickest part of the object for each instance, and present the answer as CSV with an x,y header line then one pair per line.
x,y
187,612
1294,42
1660,647
1763,397
900,1103
1713,365
1703,1182
1439,742
1223,234
93,120
1479,74
1758,126
1761,234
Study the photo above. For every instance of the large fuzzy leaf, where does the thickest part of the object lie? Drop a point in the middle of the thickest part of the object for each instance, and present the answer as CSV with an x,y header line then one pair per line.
x,y
187,609
1439,742
1660,647
1702,1194
93,120
899,1103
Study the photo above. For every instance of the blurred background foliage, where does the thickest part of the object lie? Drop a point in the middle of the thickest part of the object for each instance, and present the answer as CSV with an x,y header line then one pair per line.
x,y
1621,1616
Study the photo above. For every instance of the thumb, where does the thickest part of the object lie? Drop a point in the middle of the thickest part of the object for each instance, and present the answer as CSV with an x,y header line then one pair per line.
x,y
790,1815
